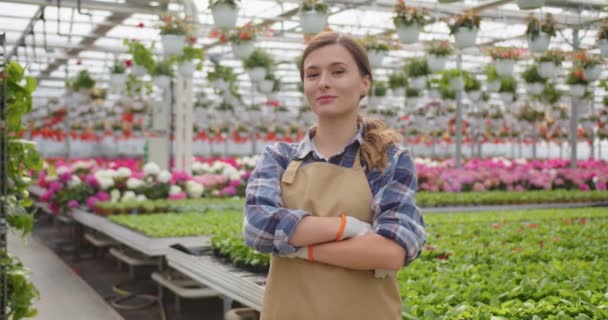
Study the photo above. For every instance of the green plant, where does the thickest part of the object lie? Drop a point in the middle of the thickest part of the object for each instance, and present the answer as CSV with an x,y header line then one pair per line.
x,y
530,75
190,54
412,93
406,16
508,84
243,34
553,55
142,56
576,76
174,25
587,60
83,81
491,73
277,83
439,48
231,3
471,83
315,5
506,53
117,68
397,80
258,58
602,33
380,88
373,42
417,67
535,26
468,20
221,73
22,159
163,68
527,113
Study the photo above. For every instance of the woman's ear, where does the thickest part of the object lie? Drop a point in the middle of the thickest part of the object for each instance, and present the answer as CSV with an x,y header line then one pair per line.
x,y
367,83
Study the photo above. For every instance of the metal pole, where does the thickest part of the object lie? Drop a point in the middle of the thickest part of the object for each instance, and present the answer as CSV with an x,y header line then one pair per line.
x,y
574,111
4,177
592,153
459,118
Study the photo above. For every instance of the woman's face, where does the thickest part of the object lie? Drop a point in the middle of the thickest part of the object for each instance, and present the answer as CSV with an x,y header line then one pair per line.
x,y
333,84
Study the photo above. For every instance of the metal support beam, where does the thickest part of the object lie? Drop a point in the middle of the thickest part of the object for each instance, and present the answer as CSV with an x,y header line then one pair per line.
x,y
127,8
26,31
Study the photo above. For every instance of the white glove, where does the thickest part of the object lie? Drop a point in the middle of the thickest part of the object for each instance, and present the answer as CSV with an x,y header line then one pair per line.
x,y
301,253
355,228
381,273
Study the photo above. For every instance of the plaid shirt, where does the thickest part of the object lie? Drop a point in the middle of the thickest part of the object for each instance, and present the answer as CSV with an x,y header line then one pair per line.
x,y
267,225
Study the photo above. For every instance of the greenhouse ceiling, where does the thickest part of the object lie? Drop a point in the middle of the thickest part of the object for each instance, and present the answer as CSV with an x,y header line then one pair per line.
x,y
55,43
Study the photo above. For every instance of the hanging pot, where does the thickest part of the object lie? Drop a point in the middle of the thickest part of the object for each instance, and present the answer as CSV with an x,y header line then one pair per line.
x,y
504,67
593,73
577,90
243,49
506,97
540,43
603,45
257,74
465,37
312,22
375,57
418,83
529,4
117,80
493,86
436,62
266,86
457,84
448,1
173,43
221,84
547,69
163,82
187,68
475,95
138,71
224,16
535,88
398,92
408,33
434,94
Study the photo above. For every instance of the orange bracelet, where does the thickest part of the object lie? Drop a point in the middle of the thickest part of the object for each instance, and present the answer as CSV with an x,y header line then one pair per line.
x,y
310,256
342,226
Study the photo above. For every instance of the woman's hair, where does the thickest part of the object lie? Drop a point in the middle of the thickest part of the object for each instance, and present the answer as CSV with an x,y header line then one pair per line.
x,y
377,136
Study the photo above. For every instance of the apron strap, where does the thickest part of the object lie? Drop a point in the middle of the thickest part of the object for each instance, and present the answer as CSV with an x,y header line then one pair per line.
x,y
357,163
290,173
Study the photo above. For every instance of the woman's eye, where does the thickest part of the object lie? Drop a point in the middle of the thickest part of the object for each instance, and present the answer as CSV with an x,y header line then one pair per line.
x,y
338,71
312,75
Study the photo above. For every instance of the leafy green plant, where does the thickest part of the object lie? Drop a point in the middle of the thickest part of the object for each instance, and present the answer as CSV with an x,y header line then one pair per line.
x,y
417,67
553,55
163,68
468,20
471,83
190,54
491,73
439,48
221,73
83,80
258,58
506,53
406,16
508,84
174,25
576,76
397,80
531,75
142,56
535,26
376,43
412,93
243,34
315,5
117,68
380,88
550,93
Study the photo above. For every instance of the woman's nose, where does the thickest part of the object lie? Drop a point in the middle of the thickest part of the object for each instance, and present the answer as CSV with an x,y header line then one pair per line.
x,y
323,80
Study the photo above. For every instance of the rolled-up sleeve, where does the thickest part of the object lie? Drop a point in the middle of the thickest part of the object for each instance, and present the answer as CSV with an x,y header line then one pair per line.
x,y
396,215
267,225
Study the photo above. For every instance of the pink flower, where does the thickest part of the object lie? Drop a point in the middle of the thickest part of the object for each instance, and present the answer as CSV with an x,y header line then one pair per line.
x,y
91,201
228,191
177,196
73,204
102,196
91,181
55,186
42,180
235,183
138,175
65,177
47,196
54,208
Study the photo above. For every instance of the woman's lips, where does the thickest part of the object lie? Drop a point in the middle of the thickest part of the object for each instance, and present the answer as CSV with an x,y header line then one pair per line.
x,y
325,99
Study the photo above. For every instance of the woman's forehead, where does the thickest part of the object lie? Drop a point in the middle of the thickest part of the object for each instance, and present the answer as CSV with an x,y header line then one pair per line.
x,y
328,56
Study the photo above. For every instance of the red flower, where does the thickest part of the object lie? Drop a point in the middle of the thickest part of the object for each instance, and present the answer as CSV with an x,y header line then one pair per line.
x,y
167,19
582,220
430,248
223,38
214,33
140,25
78,62
244,36
273,103
496,226
518,249
192,40
444,256
128,63
532,226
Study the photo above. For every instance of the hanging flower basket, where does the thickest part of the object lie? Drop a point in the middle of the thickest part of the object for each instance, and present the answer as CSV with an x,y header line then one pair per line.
x,y
504,67
224,15
408,33
593,73
257,74
577,90
548,69
535,88
118,80
243,49
493,86
603,45
266,86
529,4
137,70
465,37
162,81
539,43
221,84
187,68
173,43
506,97
475,96
312,22
375,57
418,83
436,62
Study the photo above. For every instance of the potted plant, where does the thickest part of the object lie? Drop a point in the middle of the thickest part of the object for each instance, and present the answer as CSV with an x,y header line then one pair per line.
x,y
269,84
455,79
472,87
417,70
602,40
504,59
492,78
465,29
162,74
185,62
550,94
143,60
539,33
117,75
83,82
173,31
535,84
224,12
548,64
380,88
221,77
529,4
397,82
577,81
376,49
438,52
408,21
508,89
257,63
591,64
313,16
242,39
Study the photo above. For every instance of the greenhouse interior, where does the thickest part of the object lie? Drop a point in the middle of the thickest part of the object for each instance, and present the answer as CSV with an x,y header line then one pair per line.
x,y
147,148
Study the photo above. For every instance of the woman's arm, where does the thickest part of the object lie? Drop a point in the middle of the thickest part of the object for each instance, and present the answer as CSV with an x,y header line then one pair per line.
x,y
314,230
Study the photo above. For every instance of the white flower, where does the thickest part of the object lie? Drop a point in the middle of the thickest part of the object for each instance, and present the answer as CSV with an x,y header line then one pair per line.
x,y
141,197
198,167
133,183
175,190
151,168
75,181
215,193
164,176
128,196
114,195
235,176
194,189
62,169
26,180
124,172
105,183
51,178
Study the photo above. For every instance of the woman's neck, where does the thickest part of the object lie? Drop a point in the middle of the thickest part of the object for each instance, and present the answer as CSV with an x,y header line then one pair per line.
x,y
333,134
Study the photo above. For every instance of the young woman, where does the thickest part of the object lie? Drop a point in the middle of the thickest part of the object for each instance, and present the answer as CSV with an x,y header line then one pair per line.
x,y
338,209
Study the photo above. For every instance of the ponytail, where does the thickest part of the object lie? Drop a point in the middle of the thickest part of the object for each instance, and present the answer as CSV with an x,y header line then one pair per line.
x,y
377,138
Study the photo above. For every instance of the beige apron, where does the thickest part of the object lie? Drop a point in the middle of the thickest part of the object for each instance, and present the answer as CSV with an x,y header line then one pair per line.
x,y
300,289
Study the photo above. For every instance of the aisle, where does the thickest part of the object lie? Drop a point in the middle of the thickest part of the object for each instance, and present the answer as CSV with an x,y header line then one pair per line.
x,y
60,289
